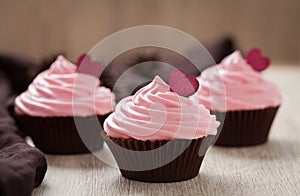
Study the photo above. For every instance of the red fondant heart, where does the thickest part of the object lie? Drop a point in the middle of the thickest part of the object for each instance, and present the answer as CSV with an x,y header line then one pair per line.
x,y
80,59
87,66
256,60
181,84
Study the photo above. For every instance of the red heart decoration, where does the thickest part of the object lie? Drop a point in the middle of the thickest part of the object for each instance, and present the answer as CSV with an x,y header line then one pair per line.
x,y
87,66
80,59
256,60
181,84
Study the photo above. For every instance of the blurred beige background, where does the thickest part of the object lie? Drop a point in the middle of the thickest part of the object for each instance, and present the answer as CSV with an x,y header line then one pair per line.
x,y
38,28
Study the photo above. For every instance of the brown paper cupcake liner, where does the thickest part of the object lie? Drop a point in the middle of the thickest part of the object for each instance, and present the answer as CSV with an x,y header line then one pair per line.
x,y
245,128
59,135
180,160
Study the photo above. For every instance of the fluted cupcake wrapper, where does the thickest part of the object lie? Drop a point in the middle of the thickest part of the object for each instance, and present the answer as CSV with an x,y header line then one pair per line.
x,y
180,160
59,135
245,128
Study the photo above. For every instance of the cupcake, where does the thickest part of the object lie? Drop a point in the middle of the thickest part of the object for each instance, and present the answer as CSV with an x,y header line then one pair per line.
x,y
45,111
235,89
157,135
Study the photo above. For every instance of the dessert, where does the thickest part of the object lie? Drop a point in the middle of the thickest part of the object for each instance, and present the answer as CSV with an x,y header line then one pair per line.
x,y
45,111
157,135
249,102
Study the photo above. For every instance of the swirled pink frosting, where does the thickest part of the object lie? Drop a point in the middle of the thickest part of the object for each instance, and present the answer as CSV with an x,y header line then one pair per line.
x,y
155,113
234,85
57,90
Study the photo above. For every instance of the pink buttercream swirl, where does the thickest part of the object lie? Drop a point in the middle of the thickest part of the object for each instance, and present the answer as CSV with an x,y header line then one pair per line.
x,y
155,113
55,91
234,85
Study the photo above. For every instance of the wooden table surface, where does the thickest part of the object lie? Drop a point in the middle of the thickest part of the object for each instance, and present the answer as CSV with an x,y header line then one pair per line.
x,y
269,169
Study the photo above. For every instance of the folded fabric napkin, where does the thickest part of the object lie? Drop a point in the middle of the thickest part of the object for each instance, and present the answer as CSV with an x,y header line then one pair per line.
x,y
22,167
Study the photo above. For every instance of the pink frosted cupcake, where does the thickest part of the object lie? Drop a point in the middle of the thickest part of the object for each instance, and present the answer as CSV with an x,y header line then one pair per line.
x,y
158,136
46,110
250,102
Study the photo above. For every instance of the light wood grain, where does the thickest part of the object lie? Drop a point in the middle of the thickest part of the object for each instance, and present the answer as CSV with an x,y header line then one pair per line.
x,y
270,169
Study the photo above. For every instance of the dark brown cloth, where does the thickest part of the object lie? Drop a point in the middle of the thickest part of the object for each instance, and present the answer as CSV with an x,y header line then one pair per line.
x,y
134,68
22,167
